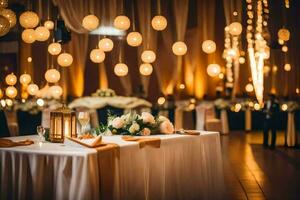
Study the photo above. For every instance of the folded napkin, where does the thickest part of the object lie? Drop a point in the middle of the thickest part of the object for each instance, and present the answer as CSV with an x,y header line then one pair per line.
x,y
91,142
10,143
188,132
143,141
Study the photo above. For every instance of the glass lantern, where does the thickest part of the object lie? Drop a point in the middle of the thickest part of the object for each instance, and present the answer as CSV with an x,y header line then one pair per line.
x,y
62,124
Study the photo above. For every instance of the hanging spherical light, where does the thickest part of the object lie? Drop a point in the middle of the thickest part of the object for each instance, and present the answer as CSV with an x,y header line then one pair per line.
x,y
159,23
148,56
32,89
10,16
179,48
106,44
235,28
122,22
28,36
266,69
11,79
284,34
242,60
209,46
54,48
65,59
4,26
49,24
29,19
11,92
134,39
52,76
25,79
41,33
97,56
249,88
90,22
3,3
213,70
121,69
284,48
146,69
56,91
287,67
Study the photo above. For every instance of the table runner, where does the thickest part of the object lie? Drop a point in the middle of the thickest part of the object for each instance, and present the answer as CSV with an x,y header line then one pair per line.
x,y
184,167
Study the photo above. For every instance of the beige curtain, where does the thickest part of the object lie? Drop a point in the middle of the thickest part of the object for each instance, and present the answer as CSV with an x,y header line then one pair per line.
x,y
149,36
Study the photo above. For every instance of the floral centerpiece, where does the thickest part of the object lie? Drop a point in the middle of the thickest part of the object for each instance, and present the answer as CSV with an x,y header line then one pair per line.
x,y
104,93
137,125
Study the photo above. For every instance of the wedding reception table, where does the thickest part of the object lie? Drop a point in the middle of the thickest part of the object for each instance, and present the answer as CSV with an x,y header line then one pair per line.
x,y
183,167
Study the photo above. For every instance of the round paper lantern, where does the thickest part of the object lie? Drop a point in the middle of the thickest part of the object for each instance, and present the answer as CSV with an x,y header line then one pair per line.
x,y
106,44
3,3
56,91
249,87
52,75
4,26
29,19
148,56
213,70
159,23
41,33
235,28
29,59
25,79
179,48
134,39
32,89
97,55
49,24
209,46
28,36
11,79
121,69
122,22
90,22
54,48
242,60
284,34
65,59
11,92
146,69
10,16
287,67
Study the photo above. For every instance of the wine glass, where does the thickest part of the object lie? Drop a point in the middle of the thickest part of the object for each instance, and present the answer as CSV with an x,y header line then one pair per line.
x,y
84,119
41,132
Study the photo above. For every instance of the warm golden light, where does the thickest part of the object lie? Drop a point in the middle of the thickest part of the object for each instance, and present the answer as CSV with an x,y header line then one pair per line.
x,y
134,39
41,33
106,44
11,79
249,88
29,19
284,107
287,67
97,56
159,23
25,79
28,36
10,16
32,89
54,48
121,69
209,46
235,28
56,91
65,59
284,48
213,70
179,48
148,56
90,22
49,24
182,86
242,60
146,69
122,22
11,92
284,34
161,100
256,106
52,76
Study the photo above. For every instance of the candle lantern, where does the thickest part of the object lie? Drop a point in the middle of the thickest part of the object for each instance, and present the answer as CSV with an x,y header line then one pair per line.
x,y
62,124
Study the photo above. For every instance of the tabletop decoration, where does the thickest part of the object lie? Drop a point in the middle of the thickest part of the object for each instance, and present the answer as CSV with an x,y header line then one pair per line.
x,y
136,125
62,124
9,143
104,93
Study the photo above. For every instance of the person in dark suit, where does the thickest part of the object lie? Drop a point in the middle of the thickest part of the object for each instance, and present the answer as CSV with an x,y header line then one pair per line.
x,y
271,110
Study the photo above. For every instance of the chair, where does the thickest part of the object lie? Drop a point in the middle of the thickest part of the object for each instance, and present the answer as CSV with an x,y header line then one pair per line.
x,y
28,122
206,119
4,131
103,113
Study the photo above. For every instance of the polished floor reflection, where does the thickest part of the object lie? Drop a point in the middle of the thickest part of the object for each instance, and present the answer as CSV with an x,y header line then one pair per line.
x,y
252,172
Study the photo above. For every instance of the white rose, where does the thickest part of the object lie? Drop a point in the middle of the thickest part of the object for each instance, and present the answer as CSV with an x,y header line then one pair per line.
x,y
134,128
146,131
117,123
147,118
166,127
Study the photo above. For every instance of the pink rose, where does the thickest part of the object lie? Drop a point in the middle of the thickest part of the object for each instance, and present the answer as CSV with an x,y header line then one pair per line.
x,y
117,123
166,127
147,118
145,132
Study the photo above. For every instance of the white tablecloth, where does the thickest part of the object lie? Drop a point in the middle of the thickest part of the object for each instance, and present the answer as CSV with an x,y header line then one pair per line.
x,y
184,167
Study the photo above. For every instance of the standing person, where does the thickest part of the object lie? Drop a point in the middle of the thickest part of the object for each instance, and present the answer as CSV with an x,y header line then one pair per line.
x,y
271,110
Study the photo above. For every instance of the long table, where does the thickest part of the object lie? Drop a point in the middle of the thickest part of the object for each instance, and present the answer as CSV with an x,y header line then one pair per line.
x,y
184,167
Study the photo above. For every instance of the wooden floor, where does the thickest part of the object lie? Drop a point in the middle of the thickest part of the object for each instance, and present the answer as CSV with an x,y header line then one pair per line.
x,y
252,172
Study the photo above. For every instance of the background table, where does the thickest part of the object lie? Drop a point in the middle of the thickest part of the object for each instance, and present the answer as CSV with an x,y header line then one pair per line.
x,y
184,167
